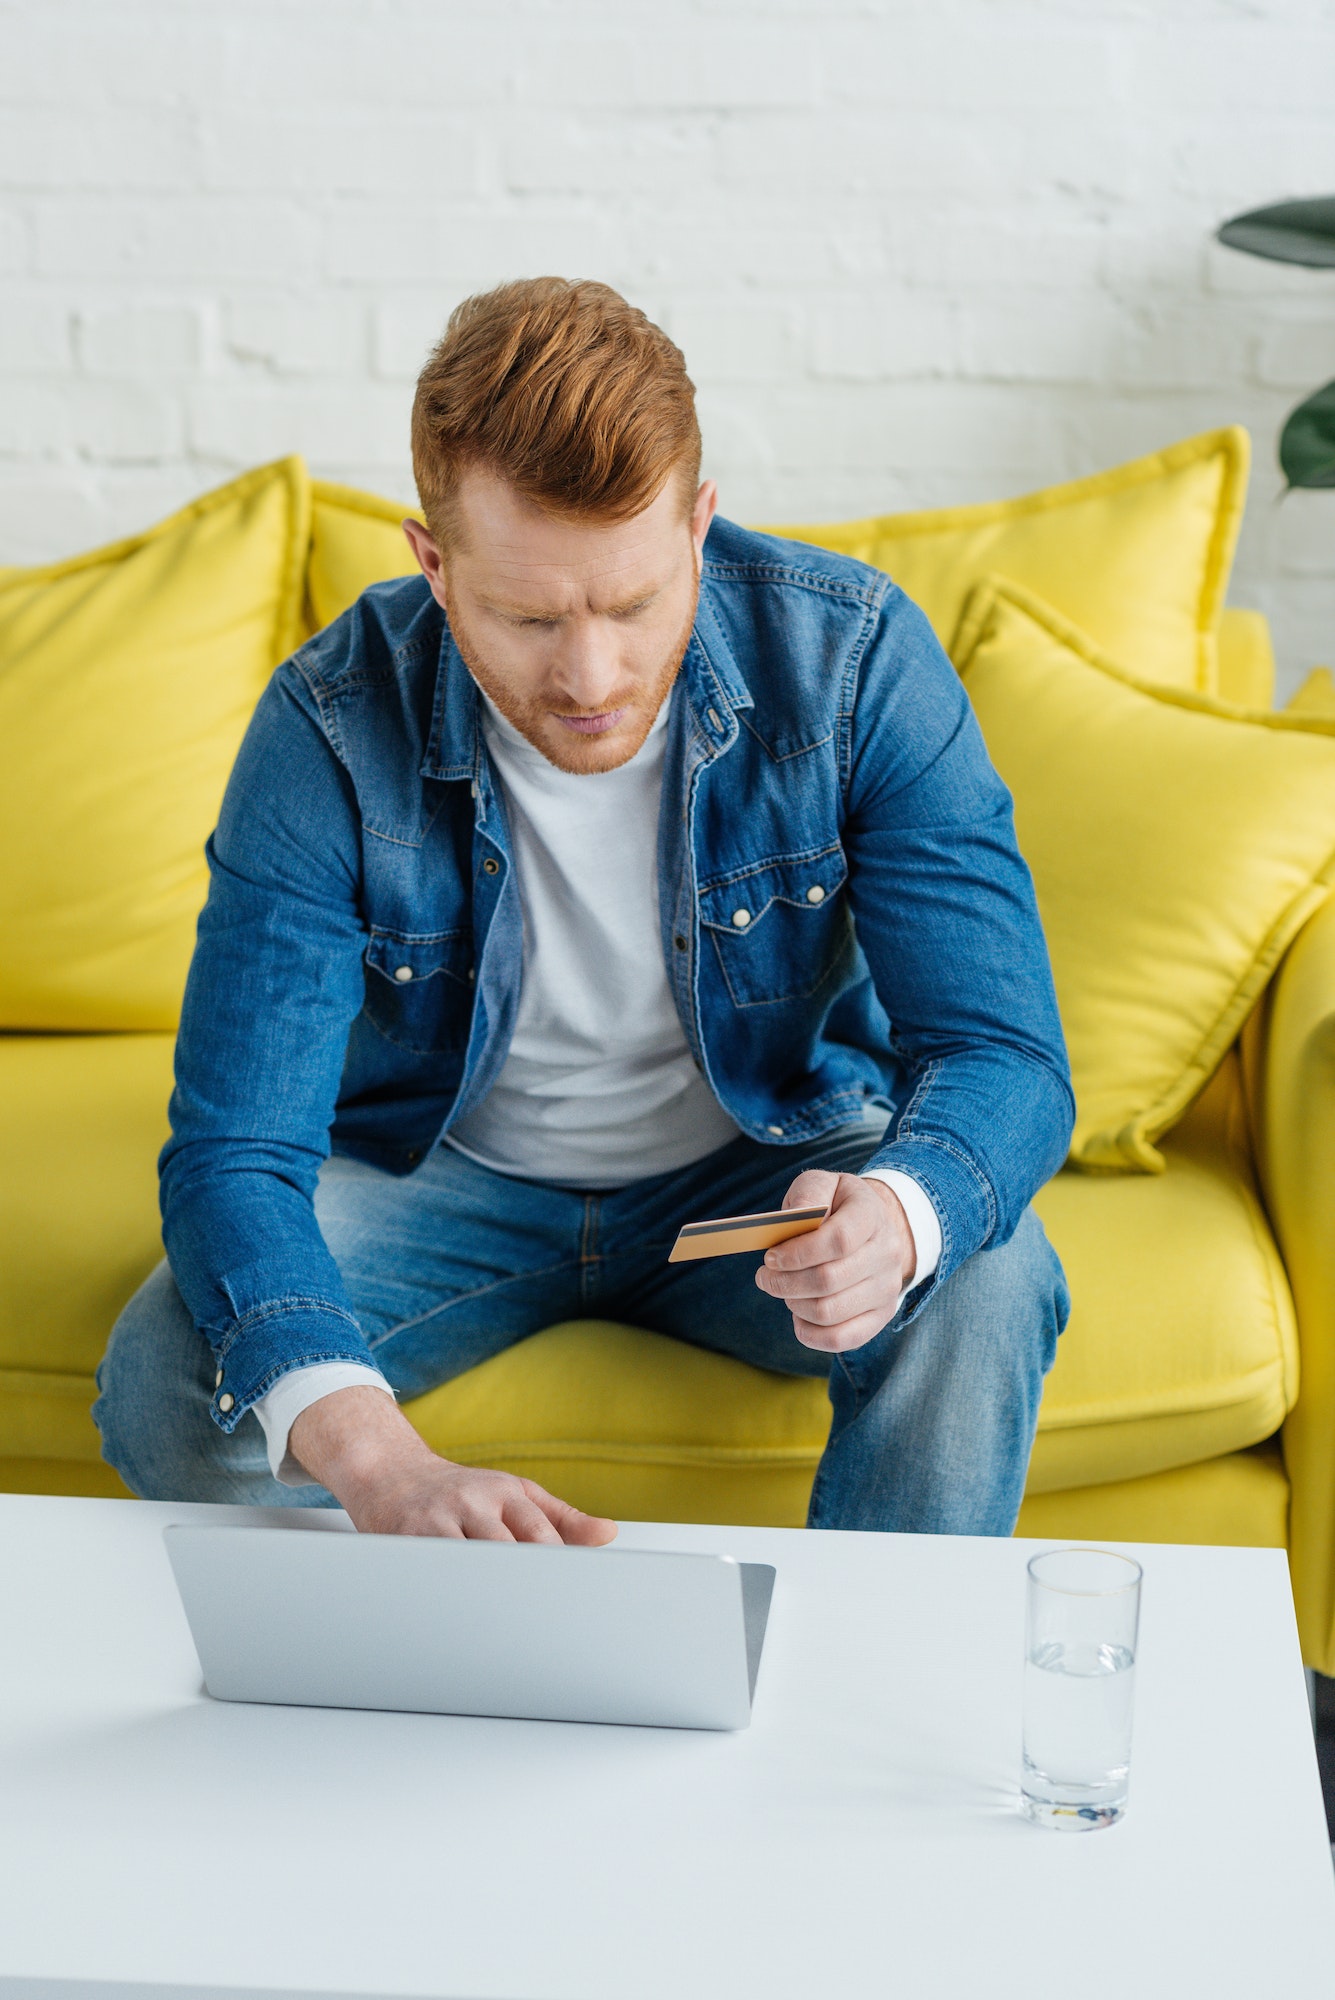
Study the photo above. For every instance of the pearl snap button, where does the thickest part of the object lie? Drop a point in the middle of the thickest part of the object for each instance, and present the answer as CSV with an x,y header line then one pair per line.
x,y
741,918
403,973
775,1130
226,1402
815,894
217,1380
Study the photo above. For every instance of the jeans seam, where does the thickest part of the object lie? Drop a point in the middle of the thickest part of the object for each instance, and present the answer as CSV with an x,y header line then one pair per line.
x,y
462,1298
589,1257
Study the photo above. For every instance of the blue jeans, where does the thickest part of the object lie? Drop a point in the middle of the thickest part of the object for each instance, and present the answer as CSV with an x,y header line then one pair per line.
x,y
932,1421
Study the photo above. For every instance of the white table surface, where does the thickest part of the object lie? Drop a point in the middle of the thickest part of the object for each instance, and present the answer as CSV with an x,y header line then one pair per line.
x,y
862,1837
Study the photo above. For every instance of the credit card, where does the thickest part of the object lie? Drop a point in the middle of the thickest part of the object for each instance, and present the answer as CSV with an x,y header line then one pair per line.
x,y
731,1234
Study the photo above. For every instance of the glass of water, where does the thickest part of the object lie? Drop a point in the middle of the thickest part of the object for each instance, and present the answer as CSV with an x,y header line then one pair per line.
x,y
1082,1614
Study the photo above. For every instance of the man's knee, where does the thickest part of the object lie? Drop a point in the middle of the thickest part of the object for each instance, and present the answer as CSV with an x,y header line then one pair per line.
x,y
153,1374
1016,1291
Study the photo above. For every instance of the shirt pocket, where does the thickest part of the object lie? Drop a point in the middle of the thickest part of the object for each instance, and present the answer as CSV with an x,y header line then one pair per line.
x,y
419,990
780,928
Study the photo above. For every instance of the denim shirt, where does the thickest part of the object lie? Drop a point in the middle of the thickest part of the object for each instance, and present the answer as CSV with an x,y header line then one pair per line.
x,y
846,922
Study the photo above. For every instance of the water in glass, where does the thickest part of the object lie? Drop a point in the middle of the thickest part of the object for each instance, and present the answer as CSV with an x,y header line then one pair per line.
x,y
1078,1702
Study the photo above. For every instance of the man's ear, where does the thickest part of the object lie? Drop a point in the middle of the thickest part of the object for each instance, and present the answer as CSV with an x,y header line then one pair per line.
x,y
702,513
430,561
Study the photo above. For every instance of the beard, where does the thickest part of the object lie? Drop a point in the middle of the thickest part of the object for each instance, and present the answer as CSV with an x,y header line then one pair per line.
x,y
533,716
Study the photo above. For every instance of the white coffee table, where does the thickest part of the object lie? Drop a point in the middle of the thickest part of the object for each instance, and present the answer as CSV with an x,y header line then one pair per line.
x,y
861,1837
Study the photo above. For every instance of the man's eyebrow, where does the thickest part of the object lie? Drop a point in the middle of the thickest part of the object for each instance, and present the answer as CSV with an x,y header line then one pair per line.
x,y
636,601
508,609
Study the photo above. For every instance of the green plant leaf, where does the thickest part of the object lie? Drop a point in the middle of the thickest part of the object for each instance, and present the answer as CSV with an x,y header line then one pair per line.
x,y
1290,232
1307,442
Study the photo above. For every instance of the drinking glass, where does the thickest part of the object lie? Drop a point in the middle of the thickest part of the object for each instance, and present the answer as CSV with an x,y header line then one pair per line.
x,y
1082,1613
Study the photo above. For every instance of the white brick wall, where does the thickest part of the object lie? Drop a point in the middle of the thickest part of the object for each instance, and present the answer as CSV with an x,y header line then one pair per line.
x,y
916,253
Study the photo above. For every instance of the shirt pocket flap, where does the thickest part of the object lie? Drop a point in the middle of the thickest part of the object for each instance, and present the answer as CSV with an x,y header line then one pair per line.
x,y
805,881
406,961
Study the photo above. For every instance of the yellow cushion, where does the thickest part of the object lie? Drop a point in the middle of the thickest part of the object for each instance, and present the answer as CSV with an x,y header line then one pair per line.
x,y
1182,1342
1241,1501
635,1425
81,1120
1178,845
356,540
1197,1356
1246,659
1316,696
1139,556
126,680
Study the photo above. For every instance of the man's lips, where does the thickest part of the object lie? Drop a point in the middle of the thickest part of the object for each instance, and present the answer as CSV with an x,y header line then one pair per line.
x,y
592,725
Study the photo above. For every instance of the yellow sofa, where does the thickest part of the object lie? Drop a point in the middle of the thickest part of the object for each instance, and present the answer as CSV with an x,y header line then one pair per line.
x,y
1194,1393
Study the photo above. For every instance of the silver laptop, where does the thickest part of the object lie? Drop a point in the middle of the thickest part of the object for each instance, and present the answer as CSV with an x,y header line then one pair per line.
x,y
335,1620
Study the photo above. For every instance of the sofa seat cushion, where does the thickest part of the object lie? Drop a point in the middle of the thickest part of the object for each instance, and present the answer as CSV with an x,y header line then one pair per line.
x,y
1182,1342
632,1424
1182,1345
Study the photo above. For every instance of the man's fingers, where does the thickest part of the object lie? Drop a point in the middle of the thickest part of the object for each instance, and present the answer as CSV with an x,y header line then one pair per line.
x,y
587,1531
484,1524
528,1523
854,1303
584,1530
818,1281
813,1189
839,1339
842,1232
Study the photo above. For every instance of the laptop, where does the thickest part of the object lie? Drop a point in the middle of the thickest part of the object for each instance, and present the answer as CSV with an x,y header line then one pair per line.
x,y
339,1620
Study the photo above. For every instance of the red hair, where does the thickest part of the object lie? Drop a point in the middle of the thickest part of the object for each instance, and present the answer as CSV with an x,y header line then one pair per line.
x,y
564,389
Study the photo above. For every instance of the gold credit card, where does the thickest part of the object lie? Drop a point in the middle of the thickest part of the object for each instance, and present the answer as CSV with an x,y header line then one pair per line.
x,y
733,1233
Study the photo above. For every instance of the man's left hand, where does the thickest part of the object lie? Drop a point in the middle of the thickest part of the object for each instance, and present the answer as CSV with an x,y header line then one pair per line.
x,y
842,1282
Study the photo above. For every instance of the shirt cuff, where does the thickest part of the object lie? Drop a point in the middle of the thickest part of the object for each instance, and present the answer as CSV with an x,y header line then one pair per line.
x,y
296,1391
924,1226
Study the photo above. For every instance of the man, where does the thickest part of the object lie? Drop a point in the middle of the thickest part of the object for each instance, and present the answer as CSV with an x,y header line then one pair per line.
x,y
623,868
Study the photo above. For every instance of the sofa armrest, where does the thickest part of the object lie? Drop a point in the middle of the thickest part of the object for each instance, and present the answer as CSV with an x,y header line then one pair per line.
x,y
1289,1063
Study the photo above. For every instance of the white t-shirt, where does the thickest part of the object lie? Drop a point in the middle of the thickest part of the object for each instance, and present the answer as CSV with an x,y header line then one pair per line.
x,y
599,1087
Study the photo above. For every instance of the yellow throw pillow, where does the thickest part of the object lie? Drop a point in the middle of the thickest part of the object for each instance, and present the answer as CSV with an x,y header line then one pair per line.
x,y
1316,696
356,540
1246,659
1139,556
127,677
1177,843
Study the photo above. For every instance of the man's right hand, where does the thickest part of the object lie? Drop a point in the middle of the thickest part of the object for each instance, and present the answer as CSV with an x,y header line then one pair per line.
x,y
359,1445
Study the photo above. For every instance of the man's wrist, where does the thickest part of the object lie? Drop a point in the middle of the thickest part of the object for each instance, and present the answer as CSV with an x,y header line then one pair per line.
x,y
919,1212
279,1408
349,1439
909,1251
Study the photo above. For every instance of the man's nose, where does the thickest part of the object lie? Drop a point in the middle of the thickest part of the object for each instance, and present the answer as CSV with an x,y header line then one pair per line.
x,y
588,669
